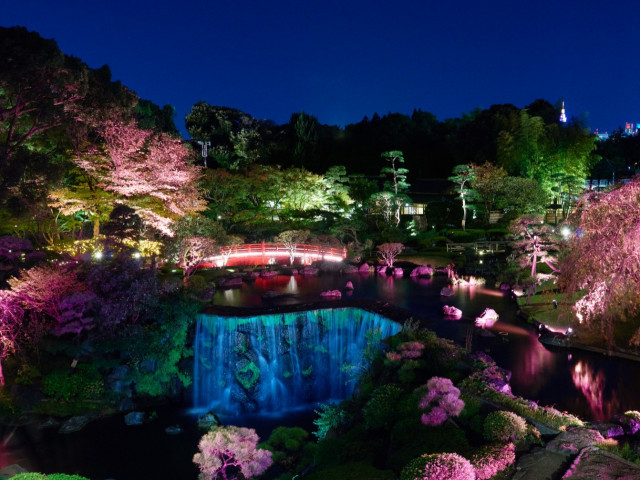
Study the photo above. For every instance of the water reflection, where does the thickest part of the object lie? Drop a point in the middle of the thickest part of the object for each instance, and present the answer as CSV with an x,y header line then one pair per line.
x,y
592,383
538,373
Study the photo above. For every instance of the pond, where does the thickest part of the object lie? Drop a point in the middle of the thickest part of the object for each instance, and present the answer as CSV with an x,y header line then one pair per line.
x,y
587,384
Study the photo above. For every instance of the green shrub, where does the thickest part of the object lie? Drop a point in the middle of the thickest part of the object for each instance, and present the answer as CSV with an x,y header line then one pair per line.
x,y
410,438
84,383
330,416
502,426
381,409
291,448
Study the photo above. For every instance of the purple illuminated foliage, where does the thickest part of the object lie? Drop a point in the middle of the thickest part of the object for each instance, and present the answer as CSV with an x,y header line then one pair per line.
x,y
442,401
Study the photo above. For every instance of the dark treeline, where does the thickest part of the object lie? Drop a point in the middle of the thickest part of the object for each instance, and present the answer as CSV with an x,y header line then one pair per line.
x,y
431,147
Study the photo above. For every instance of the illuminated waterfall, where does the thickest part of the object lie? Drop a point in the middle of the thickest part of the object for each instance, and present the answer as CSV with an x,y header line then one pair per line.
x,y
271,363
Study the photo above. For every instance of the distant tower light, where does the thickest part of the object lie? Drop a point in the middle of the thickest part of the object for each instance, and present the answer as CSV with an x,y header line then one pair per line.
x,y
563,115
205,145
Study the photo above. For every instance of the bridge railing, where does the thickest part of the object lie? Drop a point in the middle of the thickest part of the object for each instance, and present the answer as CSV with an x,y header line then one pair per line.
x,y
272,253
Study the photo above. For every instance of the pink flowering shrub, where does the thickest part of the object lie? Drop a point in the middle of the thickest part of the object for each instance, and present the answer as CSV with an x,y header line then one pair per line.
x,y
406,350
226,450
439,466
411,349
492,459
501,426
442,401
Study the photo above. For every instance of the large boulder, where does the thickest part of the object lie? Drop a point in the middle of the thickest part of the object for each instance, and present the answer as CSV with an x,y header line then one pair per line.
x,y
308,271
451,312
134,418
422,271
331,294
365,268
487,319
398,272
230,282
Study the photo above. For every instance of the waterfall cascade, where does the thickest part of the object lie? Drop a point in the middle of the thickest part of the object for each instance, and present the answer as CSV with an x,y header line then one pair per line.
x,y
271,363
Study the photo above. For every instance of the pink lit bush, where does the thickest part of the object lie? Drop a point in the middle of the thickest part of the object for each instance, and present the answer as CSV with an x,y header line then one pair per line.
x,y
492,459
225,450
442,401
439,466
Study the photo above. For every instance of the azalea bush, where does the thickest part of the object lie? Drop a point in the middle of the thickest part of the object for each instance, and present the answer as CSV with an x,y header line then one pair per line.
x,y
501,426
441,402
438,466
492,459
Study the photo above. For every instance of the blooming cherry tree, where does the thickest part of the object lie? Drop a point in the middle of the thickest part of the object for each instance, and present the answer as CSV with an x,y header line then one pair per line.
x,y
604,258
133,163
226,450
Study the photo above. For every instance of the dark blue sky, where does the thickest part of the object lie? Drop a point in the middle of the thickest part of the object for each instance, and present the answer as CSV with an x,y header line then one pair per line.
x,y
341,60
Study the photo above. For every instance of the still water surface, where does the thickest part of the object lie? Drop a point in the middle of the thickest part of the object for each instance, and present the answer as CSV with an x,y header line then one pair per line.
x,y
589,385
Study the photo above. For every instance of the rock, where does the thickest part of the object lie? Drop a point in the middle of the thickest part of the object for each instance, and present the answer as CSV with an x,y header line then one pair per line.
x,y
50,423
250,276
173,430
573,440
208,420
349,286
268,274
540,464
381,269
350,269
365,268
308,270
229,282
397,272
126,404
594,463
422,271
630,422
446,292
609,430
487,319
134,418
331,293
75,424
12,470
452,312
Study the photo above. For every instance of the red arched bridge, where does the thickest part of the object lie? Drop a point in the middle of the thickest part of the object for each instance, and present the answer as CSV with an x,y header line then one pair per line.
x,y
272,254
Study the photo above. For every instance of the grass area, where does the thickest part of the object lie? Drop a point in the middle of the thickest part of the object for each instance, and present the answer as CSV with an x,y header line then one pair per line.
x,y
540,307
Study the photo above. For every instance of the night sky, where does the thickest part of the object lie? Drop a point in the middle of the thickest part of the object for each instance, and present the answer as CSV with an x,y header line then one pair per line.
x,y
343,59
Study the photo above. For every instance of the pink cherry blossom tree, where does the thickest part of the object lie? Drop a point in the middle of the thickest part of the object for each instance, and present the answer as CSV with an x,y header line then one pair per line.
x,y
225,451
40,291
192,251
604,259
389,251
137,163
